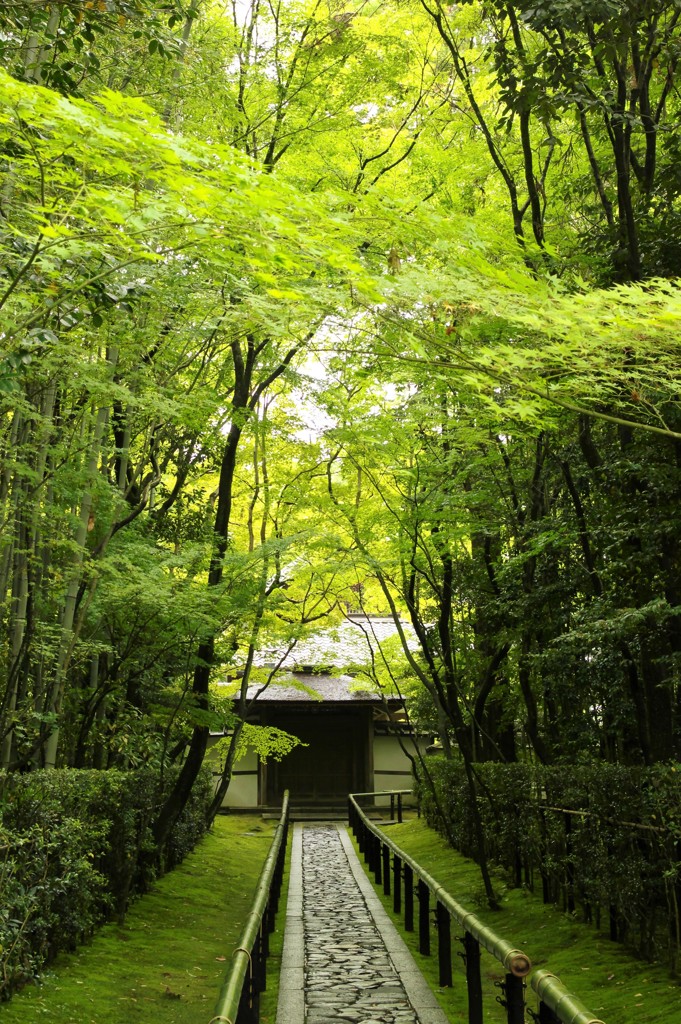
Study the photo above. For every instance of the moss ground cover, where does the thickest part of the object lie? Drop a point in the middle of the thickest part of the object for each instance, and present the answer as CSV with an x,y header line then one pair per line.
x,y
614,985
165,965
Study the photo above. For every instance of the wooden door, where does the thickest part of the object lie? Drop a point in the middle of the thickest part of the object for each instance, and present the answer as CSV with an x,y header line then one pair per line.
x,y
332,763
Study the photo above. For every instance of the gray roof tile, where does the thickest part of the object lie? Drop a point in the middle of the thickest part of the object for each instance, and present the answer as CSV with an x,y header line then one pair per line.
x,y
345,646
335,689
348,644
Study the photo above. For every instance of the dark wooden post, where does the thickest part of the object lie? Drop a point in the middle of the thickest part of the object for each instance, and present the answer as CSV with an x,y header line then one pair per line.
x,y
361,834
546,1015
424,918
385,851
264,940
444,945
569,864
408,899
471,957
397,884
515,999
249,1003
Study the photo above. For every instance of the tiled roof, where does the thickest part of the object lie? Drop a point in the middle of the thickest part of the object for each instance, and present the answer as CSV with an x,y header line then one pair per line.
x,y
348,644
334,689
312,662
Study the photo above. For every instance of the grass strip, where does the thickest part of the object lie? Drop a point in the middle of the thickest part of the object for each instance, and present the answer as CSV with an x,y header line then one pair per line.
x,y
613,983
166,963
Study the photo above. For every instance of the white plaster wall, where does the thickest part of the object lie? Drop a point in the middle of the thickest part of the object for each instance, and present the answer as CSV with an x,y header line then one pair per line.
x,y
243,789
388,755
389,759
242,792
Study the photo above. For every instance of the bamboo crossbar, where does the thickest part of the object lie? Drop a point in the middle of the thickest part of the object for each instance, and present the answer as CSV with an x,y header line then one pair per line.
x,y
599,817
514,960
227,1006
560,1000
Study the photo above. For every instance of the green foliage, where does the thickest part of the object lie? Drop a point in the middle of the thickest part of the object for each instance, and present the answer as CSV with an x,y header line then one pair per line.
x,y
267,741
76,847
306,308
604,838
66,44
138,970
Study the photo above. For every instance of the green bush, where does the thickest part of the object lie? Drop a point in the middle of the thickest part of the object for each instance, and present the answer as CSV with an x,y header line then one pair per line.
x,y
192,822
603,838
75,846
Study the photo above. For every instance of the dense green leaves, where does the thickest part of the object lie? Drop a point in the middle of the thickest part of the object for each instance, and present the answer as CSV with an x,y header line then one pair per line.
x,y
306,308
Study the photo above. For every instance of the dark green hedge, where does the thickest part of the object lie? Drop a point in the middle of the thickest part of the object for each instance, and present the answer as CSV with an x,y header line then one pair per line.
x,y
601,840
75,845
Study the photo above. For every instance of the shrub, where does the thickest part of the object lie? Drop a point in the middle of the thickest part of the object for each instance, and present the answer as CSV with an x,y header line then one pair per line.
x,y
604,838
75,846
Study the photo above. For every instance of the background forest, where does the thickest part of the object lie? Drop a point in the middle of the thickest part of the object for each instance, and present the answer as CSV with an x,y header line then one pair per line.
x,y
313,306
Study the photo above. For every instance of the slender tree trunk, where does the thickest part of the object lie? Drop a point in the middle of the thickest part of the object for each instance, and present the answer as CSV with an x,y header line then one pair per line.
x,y
245,399
18,633
68,614
179,62
179,795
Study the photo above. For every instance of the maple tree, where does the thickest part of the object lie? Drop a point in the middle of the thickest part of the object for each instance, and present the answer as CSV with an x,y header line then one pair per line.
x,y
448,234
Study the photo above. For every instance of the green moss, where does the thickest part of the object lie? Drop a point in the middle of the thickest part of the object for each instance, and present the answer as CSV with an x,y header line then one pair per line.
x,y
613,984
167,962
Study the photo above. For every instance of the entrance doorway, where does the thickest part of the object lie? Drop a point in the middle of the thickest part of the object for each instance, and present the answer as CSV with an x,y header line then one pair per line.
x,y
333,763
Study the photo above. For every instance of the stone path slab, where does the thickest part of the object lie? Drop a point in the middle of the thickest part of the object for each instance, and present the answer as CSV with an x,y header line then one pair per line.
x,y
343,959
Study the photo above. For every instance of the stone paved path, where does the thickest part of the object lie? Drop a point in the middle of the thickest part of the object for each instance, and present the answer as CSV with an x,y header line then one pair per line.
x,y
349,975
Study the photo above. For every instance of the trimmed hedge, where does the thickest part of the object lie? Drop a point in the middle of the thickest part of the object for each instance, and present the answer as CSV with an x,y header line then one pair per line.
x,y
75,845
602,839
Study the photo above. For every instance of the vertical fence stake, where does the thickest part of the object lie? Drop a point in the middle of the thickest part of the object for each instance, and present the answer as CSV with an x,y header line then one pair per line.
x,y
408,898
424,918
569,864
248,1002
385,851
514,989
399,808
612,917
471,956
444,945
377,860
546,1015
397,884
264,941
364,841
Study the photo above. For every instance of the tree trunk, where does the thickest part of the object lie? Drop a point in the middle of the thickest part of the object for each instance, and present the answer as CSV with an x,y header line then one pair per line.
x,y
245,400
68,615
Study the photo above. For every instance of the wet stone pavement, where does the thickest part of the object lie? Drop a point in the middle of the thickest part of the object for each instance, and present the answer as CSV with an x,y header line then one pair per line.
x,y
349,975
